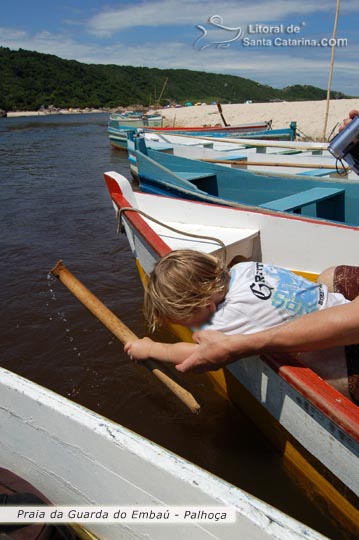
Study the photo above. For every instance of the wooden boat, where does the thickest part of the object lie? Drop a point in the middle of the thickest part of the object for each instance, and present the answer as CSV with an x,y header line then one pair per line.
x,y
118,134
165,174
135,119
78,458
314,425
253,129
277,157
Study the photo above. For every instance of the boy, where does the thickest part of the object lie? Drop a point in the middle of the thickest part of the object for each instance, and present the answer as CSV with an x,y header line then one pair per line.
x,y
197,290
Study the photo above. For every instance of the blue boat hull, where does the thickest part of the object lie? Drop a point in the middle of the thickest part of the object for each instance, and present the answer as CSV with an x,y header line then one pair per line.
x,y
118,134
169,175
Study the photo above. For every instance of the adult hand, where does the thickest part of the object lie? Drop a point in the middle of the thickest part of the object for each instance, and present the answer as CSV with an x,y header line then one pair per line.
x,y
212,353
347,121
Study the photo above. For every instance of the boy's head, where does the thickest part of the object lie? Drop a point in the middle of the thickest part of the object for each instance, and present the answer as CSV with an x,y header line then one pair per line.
x,y
184,287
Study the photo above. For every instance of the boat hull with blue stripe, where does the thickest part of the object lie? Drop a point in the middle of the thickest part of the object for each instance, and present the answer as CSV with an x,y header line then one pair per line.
x,y
118,133
331,199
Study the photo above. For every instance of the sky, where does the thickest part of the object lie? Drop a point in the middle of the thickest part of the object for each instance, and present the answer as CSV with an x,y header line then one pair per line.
x,y
274,42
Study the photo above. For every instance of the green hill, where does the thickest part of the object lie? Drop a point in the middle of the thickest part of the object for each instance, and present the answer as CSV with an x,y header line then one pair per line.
x,y
30,79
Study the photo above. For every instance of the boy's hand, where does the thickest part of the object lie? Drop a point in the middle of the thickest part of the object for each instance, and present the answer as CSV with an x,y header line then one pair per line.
x,y
139,349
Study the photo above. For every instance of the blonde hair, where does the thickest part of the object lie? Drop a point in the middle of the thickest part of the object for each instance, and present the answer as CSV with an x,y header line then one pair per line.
x,y
181,282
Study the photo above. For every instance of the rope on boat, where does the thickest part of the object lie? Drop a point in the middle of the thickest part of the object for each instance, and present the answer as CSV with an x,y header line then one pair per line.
x,y
344,169
120,211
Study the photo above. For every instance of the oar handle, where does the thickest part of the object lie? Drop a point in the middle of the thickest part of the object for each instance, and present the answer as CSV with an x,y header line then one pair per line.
x,y
119,330
298,165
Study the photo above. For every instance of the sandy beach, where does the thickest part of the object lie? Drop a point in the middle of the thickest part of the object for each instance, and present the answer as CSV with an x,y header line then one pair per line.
x,y
309,115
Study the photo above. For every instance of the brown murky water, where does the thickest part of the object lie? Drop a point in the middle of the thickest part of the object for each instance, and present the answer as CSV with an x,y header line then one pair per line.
x,y
54,205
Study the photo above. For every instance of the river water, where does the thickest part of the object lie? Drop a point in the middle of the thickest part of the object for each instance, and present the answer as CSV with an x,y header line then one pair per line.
x,y
55,205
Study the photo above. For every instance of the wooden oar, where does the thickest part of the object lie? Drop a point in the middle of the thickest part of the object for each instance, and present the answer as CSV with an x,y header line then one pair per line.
x,y
244,163
120,331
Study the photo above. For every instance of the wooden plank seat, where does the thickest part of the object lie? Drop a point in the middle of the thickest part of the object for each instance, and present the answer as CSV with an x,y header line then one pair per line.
x,y
159,146
237,241
317,172
329,201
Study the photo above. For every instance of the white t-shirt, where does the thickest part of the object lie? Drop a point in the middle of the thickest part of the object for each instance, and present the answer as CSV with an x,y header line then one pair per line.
x,y
261,296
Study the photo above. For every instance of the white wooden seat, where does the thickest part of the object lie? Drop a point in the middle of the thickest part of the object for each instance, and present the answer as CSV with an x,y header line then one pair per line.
x,y
237,241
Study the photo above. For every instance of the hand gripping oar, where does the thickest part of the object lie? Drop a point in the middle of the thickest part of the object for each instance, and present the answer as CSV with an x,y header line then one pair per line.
x,y
119,330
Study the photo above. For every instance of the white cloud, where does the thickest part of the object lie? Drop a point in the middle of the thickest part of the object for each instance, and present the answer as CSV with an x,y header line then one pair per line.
x,y
12,34
45,42
158,13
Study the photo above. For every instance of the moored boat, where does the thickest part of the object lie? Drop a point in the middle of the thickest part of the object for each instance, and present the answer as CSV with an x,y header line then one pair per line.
x,y
285,157
135,119
329,198
304,412
119,124
118,133
78,458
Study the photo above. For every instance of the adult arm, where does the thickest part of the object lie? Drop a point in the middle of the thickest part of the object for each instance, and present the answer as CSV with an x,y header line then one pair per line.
x,y
330,327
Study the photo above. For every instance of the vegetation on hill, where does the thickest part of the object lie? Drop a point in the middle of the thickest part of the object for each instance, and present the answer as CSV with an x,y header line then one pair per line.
x,y
29,80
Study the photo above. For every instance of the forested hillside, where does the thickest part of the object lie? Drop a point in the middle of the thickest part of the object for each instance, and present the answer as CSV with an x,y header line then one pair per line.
x,y
29,80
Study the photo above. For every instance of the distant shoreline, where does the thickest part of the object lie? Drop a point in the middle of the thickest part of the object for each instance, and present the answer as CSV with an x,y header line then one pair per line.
x,y
309,115
16,114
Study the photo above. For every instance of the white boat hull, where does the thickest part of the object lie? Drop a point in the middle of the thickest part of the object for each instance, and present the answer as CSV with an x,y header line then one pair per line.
x,y
79,458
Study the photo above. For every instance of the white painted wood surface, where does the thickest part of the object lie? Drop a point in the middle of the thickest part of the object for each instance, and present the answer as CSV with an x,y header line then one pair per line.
x,y
325,440
297,243
77,457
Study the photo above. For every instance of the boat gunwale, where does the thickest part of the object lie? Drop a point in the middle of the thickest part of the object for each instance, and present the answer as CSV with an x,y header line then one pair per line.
x,y
241,127
324,396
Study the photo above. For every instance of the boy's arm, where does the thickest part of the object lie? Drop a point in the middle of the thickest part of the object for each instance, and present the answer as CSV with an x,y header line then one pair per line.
x,y
174,353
